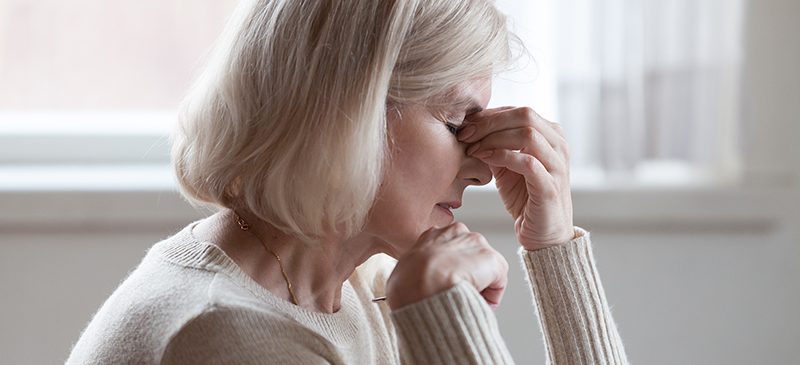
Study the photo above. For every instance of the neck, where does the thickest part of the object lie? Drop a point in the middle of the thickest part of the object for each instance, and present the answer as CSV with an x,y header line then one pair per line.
x,y
316,273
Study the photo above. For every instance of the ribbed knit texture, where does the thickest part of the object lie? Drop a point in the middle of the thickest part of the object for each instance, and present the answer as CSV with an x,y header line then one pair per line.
x,y
189,303
574,316
452,327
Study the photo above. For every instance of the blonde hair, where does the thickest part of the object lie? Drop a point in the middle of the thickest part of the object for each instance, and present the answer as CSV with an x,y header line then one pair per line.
x,y
288,120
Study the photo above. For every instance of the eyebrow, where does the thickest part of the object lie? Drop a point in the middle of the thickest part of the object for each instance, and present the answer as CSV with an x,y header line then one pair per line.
x,y
468,103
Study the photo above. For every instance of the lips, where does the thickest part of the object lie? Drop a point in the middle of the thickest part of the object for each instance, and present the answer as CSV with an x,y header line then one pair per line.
x,y
450,205
447,206
445,209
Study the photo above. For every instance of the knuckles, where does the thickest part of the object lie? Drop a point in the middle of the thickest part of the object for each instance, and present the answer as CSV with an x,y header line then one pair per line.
x,y
530,163
526,113
459,227
502,261
564,149
475,236
528,133
557,127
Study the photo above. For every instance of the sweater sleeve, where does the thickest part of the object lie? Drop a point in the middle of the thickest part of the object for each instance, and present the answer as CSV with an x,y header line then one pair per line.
x,y
574,316
455,326
458,327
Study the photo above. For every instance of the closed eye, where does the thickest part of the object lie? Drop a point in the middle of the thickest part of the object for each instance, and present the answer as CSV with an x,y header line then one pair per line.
x,y
452,128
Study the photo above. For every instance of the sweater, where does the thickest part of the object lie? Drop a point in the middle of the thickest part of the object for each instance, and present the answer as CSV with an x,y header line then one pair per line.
x,y
187,302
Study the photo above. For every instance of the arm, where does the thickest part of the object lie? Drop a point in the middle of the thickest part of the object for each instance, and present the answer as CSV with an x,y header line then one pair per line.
x,y
529,159
440,294
455,326
575,319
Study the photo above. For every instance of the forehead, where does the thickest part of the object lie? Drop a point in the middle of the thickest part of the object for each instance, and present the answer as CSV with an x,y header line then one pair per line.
x,y
473,94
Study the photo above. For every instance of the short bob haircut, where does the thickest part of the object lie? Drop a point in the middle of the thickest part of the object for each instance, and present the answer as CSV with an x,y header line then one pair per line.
x,y
288,120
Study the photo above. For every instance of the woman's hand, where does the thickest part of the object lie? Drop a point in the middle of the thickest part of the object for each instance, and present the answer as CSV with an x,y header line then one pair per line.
x,y
534,182
443,257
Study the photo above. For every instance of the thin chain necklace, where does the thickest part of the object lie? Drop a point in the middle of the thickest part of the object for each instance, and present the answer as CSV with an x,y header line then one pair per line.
x,y
244,226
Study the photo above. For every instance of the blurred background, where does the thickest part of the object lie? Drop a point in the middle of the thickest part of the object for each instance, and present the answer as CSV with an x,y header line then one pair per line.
x,y
681,116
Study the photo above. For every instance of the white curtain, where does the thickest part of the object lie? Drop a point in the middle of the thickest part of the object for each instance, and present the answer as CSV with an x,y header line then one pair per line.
x,y
647,81
647,90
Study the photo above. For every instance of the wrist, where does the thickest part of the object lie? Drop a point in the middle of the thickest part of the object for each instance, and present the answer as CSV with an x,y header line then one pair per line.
x,y
405,290
533,246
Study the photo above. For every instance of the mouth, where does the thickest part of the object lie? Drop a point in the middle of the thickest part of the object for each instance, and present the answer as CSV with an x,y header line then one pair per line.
x,y
448,206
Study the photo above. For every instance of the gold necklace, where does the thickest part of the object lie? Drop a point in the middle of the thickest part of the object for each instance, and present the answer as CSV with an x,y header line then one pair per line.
x,y
244,226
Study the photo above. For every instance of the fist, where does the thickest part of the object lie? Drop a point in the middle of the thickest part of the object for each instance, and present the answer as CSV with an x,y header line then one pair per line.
x,y
440,259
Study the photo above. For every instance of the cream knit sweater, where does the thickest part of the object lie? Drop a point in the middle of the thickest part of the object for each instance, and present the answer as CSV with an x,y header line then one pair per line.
x,y
189,303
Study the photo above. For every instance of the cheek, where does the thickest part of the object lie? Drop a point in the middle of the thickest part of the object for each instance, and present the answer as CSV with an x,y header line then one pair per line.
x,y
425,161
425,171
428,157
415,182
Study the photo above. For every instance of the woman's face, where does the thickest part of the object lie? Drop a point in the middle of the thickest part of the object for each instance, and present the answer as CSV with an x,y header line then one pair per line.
x,y
429,168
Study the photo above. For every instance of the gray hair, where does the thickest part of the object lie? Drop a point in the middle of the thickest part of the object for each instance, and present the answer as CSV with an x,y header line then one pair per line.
x,y
288,119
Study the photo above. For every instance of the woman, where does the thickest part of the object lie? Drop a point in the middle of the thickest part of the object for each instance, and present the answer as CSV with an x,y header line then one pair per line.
x,y
330,133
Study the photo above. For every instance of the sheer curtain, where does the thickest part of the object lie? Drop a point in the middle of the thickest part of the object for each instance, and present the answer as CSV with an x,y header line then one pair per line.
x,y
647,90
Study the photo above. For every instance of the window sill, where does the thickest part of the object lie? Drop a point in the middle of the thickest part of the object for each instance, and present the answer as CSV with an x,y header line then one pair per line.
x,y
145,197
666,210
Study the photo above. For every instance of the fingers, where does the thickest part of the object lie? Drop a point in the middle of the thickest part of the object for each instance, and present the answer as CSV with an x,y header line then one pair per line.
x,y
489,273
483,121
443,234
498,281
474,258
527,140
495,120
534,172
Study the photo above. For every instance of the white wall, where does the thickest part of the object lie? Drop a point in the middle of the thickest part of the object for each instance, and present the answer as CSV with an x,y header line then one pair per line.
x,y
692,276
771,99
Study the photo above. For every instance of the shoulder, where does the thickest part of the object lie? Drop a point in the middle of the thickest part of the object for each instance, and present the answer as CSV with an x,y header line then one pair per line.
x,y
223,334
148,305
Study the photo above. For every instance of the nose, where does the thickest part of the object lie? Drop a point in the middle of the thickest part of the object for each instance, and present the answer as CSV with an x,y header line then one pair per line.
x,y
475,172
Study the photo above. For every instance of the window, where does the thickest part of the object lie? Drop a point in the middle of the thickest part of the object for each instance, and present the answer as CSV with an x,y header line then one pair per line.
x,y
647,91
89,88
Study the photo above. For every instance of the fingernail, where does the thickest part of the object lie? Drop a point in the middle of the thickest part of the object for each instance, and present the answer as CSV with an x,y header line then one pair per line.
x,y
467,132
485,154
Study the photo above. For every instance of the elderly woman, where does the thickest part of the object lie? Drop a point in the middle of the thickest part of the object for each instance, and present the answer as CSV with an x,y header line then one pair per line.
x,y
335,138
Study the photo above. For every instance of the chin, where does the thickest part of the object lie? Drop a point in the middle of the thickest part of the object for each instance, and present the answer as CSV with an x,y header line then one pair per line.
x,y
442,217
399,242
